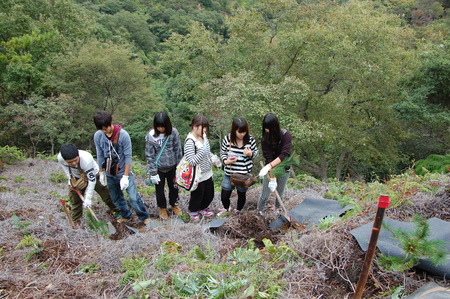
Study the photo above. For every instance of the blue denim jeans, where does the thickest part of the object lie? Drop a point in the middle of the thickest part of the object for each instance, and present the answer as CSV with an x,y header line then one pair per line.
x,y
226,184
119,198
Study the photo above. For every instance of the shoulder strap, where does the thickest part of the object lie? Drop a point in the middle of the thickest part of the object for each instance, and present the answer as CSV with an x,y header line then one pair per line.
x,y
161,151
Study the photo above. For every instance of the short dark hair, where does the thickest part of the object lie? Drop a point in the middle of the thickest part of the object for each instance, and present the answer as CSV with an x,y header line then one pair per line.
x,y
241,125
69,151
272,123
102,119
161,119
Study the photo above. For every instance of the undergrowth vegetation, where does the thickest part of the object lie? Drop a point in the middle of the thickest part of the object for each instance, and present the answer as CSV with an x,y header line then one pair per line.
x,y
244,272
189,260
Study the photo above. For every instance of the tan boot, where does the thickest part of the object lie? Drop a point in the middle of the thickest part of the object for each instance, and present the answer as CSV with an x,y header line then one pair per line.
x,y
163,214
176,210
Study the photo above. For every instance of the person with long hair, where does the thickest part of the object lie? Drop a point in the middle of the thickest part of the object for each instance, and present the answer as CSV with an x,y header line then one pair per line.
x,y
238,149
163,153
197,152
276,146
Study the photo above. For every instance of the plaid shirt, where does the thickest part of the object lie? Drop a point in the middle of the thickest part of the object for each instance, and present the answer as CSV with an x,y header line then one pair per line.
x,y
171,155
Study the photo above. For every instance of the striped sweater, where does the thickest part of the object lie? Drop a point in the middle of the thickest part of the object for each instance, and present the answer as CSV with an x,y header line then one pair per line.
x,y
244,164
196,155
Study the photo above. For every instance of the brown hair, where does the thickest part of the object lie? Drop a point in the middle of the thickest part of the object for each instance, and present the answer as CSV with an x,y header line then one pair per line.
x,y
200,120
241,125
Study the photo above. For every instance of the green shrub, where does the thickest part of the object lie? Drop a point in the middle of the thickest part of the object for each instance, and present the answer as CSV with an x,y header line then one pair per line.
x,y
19,179
9,155
433,163
56,177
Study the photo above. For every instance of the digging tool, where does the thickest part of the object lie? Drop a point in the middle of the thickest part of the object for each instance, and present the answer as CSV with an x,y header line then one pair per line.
x,y
82,199
286,217
66,209
383,203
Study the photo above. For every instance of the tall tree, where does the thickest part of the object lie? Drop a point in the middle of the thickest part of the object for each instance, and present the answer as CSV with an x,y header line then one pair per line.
x,y
329,71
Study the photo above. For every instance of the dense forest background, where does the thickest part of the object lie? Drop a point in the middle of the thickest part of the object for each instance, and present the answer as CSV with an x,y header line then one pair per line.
x,y
364,86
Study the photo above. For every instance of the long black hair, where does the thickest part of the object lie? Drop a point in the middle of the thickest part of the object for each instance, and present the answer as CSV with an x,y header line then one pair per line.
x,y
161,119
271,123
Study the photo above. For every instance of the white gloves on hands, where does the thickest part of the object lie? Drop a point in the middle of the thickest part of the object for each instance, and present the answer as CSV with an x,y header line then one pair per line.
x,y
124,182
273,184
102,178
265,170
155,179
87,203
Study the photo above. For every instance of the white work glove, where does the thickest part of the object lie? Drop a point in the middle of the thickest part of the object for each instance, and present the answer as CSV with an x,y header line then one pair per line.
x,y
155,179
273,184
102,178
265,170
124,182
87,203
69,183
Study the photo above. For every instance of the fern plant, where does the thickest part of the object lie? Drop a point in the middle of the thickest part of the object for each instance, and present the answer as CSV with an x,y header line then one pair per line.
x,y
415,245
433,163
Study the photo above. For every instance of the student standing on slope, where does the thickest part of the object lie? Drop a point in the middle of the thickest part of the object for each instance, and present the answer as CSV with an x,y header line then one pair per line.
x,y
163,153
237,152
276,146
197,152
113,145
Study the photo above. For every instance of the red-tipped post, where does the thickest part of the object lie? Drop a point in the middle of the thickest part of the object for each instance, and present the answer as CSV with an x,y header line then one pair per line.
x,y
383,203
66,210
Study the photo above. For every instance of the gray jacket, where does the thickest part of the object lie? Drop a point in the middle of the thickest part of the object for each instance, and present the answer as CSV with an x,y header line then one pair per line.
x,y
171,155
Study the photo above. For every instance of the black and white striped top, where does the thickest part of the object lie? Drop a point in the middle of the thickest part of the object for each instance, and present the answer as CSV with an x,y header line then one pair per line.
x,y
196,155
244,164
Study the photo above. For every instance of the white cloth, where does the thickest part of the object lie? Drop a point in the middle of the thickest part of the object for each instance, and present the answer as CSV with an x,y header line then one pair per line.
x,y
124,182
88,165
265,170
155,179
272,184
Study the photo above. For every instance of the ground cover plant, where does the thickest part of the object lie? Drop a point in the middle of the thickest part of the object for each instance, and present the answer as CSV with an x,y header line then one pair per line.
x,y
43,257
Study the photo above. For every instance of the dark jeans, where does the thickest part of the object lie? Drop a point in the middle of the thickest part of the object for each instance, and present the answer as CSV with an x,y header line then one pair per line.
x,y
202,196
77,204
119,198
173,191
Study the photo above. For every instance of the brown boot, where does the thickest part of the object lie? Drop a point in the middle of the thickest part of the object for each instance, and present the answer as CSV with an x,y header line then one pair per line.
x,y
176,210
163,214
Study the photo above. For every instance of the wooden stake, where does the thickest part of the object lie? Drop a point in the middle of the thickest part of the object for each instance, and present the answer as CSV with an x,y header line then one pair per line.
x,y
383,203
66,209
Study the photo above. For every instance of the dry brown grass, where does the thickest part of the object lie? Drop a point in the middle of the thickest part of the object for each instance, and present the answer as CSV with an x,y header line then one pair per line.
x,y
332,258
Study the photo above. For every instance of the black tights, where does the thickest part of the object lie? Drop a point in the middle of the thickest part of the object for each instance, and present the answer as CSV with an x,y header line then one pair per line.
x,y
225,197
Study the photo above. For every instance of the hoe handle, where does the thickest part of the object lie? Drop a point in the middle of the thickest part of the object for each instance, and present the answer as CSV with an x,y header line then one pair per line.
x,y
82,199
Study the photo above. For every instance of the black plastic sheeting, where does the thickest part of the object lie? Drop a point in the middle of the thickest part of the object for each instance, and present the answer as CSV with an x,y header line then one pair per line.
x,y
430,290
312,211
439,230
